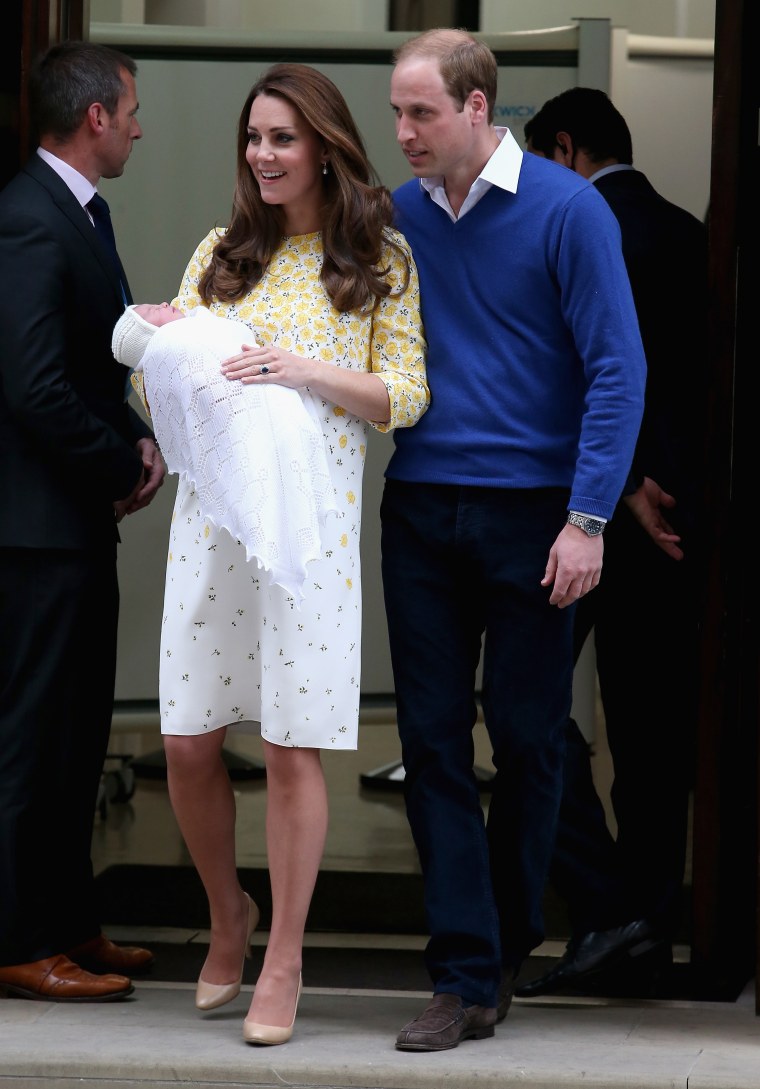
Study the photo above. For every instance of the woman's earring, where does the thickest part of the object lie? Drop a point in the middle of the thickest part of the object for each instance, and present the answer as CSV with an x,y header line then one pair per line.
x,y
324,167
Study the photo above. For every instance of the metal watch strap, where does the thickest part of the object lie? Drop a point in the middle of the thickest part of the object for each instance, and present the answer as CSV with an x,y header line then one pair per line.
x,y
592,527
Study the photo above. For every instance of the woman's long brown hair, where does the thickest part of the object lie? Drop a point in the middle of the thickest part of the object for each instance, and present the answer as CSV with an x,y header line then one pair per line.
x,y
355,213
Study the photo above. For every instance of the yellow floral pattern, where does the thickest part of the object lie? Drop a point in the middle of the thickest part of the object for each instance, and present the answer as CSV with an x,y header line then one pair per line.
x,y
236,650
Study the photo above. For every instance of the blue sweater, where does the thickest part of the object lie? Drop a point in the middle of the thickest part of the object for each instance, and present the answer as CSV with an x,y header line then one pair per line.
x,y
535,362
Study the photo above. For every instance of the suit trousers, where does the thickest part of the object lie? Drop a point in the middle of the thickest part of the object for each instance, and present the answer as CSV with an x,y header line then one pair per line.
x,y
462,566
644,620
58,627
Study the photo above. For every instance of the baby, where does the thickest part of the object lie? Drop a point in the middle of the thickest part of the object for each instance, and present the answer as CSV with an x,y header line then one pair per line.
x,y
254,454
156,314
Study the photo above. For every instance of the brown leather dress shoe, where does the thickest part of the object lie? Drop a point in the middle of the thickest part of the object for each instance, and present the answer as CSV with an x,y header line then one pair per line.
x,y
445,1023
100,955
57,979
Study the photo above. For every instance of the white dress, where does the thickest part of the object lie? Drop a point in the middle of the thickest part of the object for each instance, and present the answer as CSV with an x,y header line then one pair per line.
x,y
236,649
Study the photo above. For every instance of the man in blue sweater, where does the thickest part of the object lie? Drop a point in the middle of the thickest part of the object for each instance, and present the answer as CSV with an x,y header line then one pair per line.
x,y
493,509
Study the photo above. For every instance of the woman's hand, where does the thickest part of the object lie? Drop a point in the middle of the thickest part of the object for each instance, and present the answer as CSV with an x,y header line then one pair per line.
x,y
360,392
259,363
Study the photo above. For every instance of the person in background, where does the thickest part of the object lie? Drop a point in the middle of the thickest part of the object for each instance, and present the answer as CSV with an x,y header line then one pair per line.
x,y
624,896
494,509
311,263
75,459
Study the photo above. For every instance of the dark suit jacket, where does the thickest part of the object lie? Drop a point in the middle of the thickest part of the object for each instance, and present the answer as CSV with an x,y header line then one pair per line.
x,y
665,251
67,435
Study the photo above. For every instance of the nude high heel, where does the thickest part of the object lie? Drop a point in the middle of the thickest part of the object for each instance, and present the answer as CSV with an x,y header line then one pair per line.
x,y
210,995
254,1033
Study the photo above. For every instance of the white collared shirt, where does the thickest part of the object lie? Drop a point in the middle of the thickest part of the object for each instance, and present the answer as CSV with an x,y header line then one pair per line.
x,y
81,187
614,169
502,169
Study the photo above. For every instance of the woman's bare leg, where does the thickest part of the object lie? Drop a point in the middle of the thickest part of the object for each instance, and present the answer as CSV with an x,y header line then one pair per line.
x,y
296,831
204,805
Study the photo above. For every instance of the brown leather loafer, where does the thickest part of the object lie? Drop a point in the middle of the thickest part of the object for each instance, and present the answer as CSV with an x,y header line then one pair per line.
x,y
445,1023
57,979
100,955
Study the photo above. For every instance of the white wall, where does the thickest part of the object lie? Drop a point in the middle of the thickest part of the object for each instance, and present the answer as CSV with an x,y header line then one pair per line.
x,y
678,18
263,15
664,18
666,98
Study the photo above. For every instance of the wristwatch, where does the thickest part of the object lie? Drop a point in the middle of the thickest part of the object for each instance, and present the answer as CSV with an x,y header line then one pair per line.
x,y
592,527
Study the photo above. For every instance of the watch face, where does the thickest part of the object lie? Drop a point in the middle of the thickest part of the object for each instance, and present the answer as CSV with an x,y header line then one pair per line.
x,y
593,527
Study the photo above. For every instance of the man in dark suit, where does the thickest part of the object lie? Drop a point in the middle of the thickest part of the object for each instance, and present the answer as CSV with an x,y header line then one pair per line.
x,y
75,459
624,894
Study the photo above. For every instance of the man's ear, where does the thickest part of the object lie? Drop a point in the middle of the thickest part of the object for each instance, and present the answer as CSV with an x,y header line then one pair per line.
x,y
97,118
478,104
565,145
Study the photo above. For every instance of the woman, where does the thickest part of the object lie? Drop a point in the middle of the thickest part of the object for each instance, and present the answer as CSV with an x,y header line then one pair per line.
x,y
311,262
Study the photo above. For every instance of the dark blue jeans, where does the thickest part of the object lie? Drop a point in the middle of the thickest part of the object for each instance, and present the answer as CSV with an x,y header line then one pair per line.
x,y
462,568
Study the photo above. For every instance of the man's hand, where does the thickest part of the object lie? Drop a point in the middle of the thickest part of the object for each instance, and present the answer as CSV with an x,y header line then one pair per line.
x,y
124,506
646,505
151,479
574,567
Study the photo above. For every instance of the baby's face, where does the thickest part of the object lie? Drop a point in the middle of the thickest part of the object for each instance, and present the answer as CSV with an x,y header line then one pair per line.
x,y
158,313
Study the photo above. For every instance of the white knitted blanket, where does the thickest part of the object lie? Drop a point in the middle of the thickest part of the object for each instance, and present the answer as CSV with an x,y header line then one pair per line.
x,y
254,454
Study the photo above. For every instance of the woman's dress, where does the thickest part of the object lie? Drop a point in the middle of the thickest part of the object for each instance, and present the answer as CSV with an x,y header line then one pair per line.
x,y
236,649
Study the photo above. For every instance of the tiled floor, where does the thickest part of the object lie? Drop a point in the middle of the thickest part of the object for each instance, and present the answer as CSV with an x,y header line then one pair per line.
x,y
344,1038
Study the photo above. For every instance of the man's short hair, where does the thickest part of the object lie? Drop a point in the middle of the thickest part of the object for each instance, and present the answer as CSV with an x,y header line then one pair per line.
x,y
465,63
586,114
68,78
